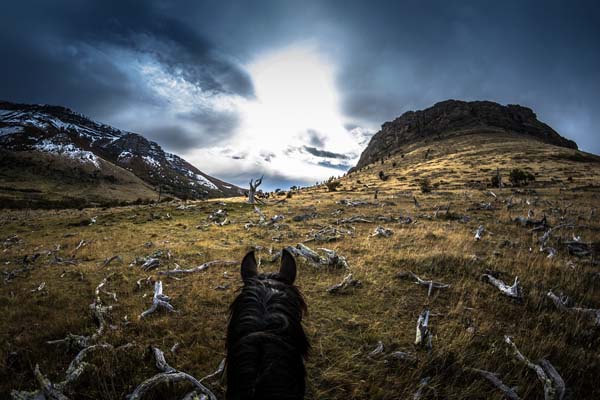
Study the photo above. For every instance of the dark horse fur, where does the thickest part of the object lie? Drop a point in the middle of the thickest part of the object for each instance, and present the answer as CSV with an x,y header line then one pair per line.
x,y
266,344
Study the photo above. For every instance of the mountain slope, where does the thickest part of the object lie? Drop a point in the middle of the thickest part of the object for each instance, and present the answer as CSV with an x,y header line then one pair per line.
x,y
454,117
62,140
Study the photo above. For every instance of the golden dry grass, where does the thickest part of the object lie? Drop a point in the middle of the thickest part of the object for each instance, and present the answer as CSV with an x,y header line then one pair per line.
x,y
468,321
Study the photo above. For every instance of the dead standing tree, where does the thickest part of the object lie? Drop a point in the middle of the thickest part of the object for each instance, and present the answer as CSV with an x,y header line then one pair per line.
x,y
252,192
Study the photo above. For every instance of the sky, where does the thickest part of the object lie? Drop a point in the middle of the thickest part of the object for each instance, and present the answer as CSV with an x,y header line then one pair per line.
x,y
293,90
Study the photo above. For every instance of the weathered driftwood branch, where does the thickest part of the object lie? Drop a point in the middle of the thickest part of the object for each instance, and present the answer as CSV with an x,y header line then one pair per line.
x,y
354,220
158,300
151,263
400,356
561,304
261,216
578,248
548,234
479,232
530,223
423,335
168,374
328,234
308,253
111,259
429,284
508,392
513,291
554,386
48,390
378,352
346,283
218,371
355,203
422,385
199,268
100,312
333,259
382,232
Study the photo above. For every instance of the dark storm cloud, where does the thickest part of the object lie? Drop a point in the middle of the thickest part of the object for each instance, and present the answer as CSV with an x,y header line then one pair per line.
x,y
341,167
324,153
390,57
84,55
315,138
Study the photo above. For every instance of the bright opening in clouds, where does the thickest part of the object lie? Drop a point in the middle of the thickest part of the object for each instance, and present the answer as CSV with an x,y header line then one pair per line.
x,y
292,131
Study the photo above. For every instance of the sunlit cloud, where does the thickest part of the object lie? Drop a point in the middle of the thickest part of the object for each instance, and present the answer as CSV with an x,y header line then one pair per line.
x,y
296,106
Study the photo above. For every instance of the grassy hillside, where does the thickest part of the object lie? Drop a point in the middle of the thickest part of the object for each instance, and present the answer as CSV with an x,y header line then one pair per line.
x,y
36,179
468,320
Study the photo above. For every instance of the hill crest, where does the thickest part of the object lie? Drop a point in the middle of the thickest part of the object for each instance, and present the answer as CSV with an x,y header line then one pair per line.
x,y
456,117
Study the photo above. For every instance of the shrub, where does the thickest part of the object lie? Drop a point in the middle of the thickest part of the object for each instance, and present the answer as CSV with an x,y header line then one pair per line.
x,y
332,186
518,177
496,179
383,176
425,185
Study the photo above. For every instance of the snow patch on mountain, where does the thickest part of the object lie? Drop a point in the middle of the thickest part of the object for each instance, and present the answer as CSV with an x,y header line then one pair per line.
x,y
68,150
205,182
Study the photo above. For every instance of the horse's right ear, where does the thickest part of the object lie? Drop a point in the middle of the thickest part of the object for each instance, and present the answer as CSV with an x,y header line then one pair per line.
x,y
249,269
287,271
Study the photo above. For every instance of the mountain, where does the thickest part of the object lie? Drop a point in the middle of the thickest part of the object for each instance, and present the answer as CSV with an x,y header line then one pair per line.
x,y
453,117
66,152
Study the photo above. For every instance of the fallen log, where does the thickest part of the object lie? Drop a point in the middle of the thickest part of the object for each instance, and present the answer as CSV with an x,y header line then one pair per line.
x,y
508,392
554,386
562,301
479,232
513,291
429,284
199,268
346,283
382,232
158,300
168,374
423,335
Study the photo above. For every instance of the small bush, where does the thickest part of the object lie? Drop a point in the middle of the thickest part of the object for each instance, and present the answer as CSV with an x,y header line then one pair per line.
x,y
496,180
518,177
383,176
425,185
332,186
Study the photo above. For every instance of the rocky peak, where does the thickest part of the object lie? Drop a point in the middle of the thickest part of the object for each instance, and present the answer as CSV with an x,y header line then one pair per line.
x,y
452,117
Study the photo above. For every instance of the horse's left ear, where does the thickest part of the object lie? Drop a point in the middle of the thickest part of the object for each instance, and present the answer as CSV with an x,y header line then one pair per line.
x,y
287,272
249,268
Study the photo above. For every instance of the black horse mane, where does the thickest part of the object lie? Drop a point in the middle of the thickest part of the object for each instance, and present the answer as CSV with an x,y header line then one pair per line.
x,y
266,344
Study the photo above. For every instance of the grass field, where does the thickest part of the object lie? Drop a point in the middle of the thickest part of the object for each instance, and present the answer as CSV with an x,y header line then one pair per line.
x,y
468,320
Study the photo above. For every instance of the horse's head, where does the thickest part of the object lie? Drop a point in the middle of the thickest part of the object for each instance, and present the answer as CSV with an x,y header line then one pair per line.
x,y
266,344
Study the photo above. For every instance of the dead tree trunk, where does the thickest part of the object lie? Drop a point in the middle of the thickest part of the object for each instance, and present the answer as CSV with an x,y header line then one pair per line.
x,y
252,191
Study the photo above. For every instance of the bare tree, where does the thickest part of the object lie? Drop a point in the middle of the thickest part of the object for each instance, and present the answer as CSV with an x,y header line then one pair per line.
x,y
252,191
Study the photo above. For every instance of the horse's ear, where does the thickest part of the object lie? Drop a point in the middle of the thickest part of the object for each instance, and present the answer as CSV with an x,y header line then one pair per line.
x,y
249,269
287,272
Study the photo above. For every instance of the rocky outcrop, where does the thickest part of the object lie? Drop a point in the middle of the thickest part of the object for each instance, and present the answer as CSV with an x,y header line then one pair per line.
x,y
452,117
